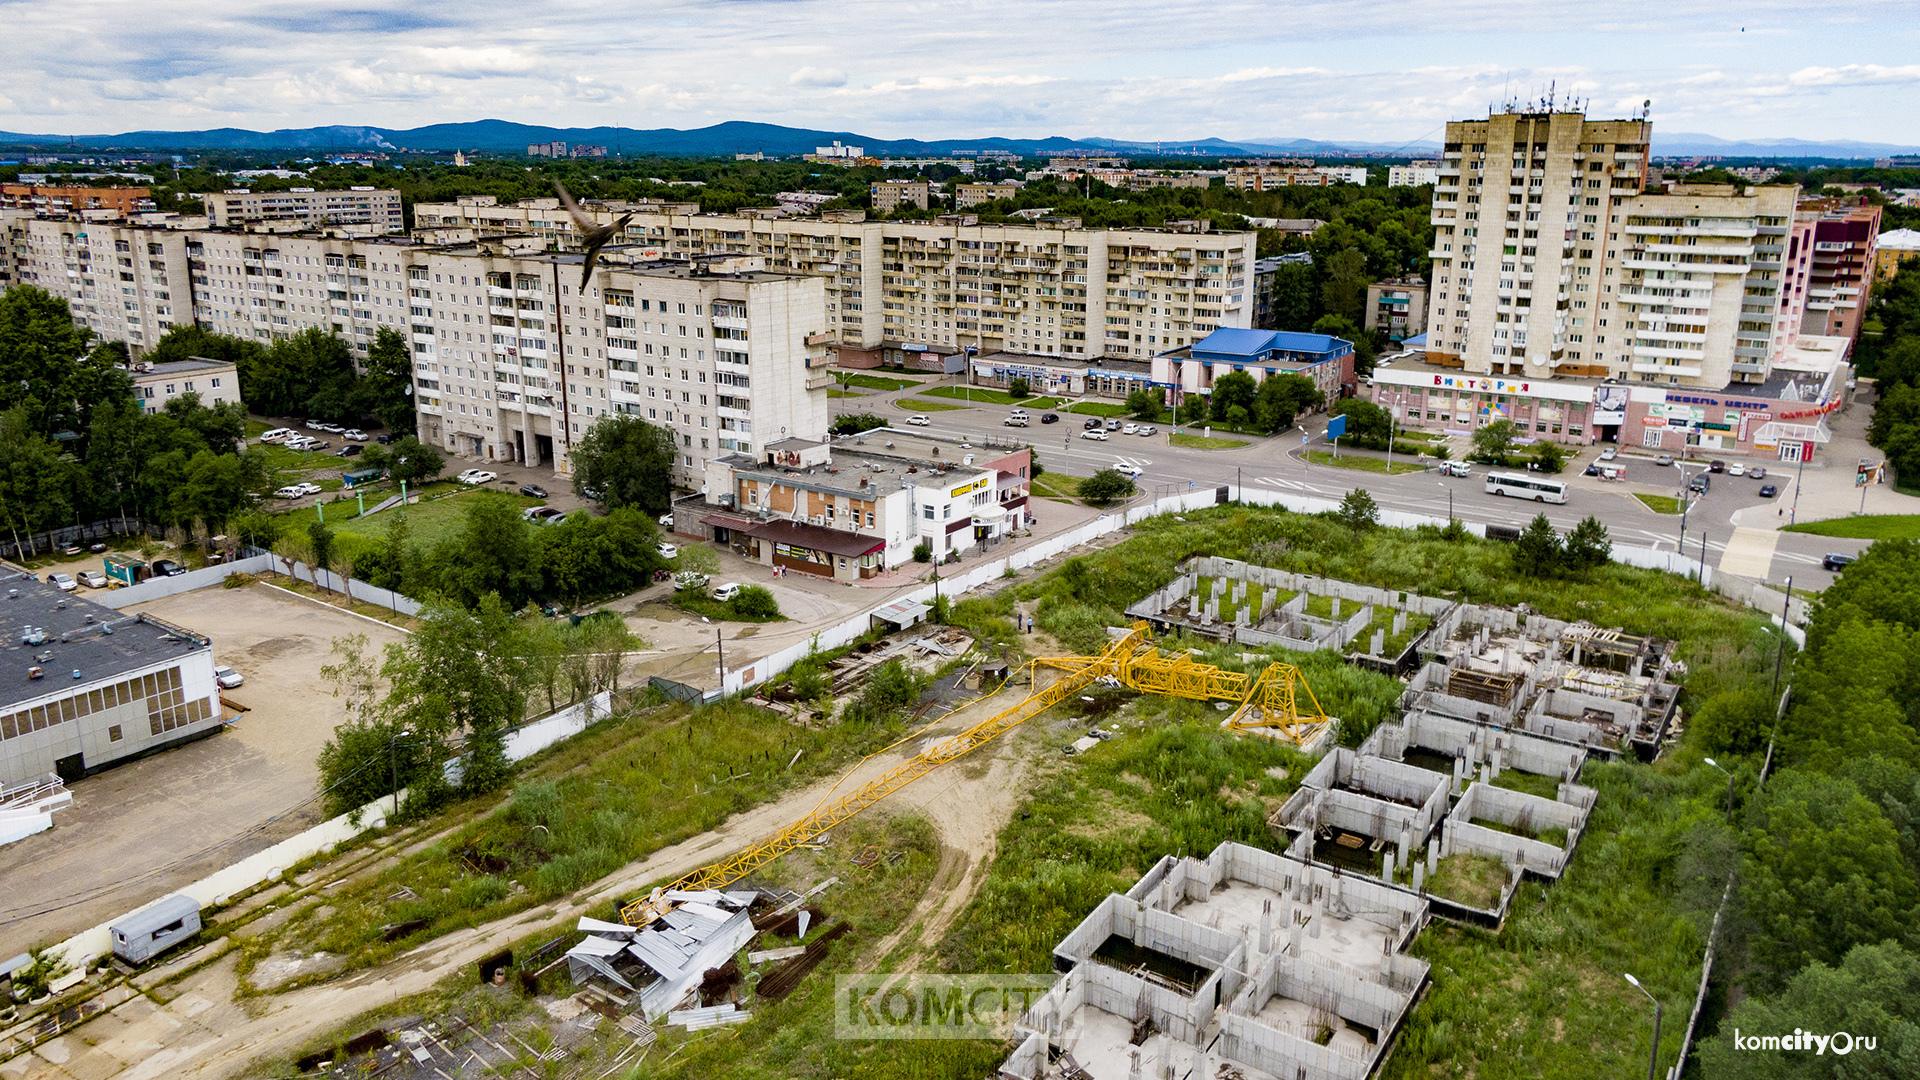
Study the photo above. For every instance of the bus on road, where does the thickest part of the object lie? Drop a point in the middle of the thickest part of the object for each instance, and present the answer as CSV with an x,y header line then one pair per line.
x,y
1518,486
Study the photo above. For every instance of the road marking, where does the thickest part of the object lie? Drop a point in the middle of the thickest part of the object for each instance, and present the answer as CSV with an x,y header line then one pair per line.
x,y
1283,482
1138,463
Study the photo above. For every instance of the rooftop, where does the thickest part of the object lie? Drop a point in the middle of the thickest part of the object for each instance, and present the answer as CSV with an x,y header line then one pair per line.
x,y
1236,343
872,464
1073,362
80,643
1900,240
189,366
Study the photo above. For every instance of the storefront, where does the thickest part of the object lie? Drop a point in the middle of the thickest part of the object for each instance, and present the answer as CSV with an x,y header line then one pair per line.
x,y
1449,402
813,549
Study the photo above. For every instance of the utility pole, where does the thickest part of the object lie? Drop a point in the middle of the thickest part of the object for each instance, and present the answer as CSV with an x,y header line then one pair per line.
x,y
1701,577
1799,477
721,650
1780,654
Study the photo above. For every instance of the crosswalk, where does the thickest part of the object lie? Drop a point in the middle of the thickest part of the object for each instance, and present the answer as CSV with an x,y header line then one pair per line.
x,y
1283,483
1138,463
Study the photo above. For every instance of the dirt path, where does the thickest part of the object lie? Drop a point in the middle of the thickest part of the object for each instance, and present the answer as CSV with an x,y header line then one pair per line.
x,y
202,1032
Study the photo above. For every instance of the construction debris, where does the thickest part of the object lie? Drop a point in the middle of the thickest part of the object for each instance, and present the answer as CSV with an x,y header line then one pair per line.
x,y
696,1019
670,957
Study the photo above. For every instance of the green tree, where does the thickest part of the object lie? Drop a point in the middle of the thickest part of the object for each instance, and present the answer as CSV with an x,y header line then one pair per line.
x,y
308,374
1823,873
1145,403
628,461
413,461
1493,443
1233,390
1194,409
1295,301
1283,397
1547,457
1365,346
755,602
320,550
1368,425
36,481
1106,487
1588,546
1358,511
254,527
1343,287
40,345
1874,990
1538,552
492,554
1018,387
459,673
385,388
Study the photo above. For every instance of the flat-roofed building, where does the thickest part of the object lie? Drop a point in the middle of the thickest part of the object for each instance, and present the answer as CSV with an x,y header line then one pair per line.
x,y
214,381
1325,359
83,686
1845,238
73,200
966,195
1397,308
314,208
891,195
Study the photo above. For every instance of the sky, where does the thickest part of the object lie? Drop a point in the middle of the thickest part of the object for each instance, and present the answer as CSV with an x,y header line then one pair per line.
x,y
1168,69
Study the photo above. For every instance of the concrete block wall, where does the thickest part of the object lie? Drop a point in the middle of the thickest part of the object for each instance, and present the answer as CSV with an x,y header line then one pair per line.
x,y
1518,853
1475,743
1325,988
1521,810
1282,1054
1389,780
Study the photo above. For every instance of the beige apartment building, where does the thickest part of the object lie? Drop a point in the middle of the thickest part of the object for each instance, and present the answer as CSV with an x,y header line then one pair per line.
x,y
124,282
906,287
969,195
378,208
891,195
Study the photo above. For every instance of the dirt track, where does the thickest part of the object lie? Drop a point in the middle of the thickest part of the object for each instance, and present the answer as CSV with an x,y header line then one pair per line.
x,y
202,1032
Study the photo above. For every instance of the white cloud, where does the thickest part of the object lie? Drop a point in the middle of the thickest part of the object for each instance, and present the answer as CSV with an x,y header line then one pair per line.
x,y
817,77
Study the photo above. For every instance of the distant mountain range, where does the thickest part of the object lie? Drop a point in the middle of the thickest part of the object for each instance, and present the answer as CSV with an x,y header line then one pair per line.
x,y
740,136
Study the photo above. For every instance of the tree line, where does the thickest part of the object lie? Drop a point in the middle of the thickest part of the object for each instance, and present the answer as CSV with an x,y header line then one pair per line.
x,y
1892,358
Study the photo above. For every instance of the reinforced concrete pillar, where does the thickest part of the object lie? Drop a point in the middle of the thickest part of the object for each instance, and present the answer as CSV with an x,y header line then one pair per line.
x,y
1266,926
1419,877
1133,1064
1433,853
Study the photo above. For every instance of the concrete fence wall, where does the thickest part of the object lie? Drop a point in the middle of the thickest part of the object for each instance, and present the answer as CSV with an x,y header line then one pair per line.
x,y
158,588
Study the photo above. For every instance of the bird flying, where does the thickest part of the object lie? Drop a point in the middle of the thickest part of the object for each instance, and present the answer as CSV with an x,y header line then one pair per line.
x,y
593,237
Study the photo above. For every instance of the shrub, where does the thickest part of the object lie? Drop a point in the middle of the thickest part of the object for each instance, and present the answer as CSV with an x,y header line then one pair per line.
x,y
755,602
1106,487
923,551
1358,511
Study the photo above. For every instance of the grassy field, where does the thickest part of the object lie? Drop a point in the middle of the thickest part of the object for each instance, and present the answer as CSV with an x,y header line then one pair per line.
x,y
1362,462
597,800
983,395
1057,485
1659,504
876,382
915,404
1864,527
1098,408
433,519
1202,442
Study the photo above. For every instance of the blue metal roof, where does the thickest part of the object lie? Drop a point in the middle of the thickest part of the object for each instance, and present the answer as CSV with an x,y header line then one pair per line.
x,y
1235,343
1417,341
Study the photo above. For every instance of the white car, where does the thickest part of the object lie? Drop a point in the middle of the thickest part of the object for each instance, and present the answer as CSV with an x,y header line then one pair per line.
x,y
666,520
689,579
542,515
666,550
1096,434
918,420
1129,429
1609,453
726,592
477,476
276,435
63,582
1131,472
354,435
227,678
1736,469
1148,429
93,579
308,488
1455,468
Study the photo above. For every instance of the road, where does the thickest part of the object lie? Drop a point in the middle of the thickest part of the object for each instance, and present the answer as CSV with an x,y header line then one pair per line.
x,y
1276,463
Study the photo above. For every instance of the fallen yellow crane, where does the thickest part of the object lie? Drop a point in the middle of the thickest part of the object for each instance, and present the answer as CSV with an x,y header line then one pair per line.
x,y
1269,700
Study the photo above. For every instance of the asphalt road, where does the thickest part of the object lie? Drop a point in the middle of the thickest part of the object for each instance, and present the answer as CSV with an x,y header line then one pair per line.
x,y
1276,463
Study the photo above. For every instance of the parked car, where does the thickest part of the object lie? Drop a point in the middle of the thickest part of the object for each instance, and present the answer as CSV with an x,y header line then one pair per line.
x,y
275,435
316,444
1768,491
1700,483
291,491
1014,421
1758,472
1455,468
1129,470
1050,418
1148,429
1736,469
167,568
92,579
1609,453
726,592
1094,433
1092,422
477,476
1716,466
315,425
1129,428
1113,423
1663,459
592,493
354,435
308,487
227,678
544,515
1592,469
63,582
349,450
666,550
1834,560
689,579
385,438
666,520
533,491
919,420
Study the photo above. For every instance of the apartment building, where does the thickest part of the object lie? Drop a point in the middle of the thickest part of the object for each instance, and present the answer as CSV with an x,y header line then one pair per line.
x,y
215,382
1893,251
1397,308
897,289
124,282
1267,176
968,195
265,286
66,200
377,208
1845,236
1413,174
484,215
891,195
1266,287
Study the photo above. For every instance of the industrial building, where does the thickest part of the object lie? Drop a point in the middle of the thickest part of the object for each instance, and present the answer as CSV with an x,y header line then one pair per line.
x,y
83,686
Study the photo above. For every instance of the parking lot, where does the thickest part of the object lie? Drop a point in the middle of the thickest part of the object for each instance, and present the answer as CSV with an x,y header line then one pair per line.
x,y
138,831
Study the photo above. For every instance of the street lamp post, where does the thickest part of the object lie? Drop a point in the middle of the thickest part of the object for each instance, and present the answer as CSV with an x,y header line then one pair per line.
x,y
1393,414
1449,490
393,765
1723,769
1799,478
1653,1058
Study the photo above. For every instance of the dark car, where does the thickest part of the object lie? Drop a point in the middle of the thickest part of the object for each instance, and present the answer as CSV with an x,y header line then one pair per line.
x,y
1700,483
1050,418
533,491
385,438
1716,466
1092,422
1836,561
1768,491
169,568
1757,472
349,450
1591,470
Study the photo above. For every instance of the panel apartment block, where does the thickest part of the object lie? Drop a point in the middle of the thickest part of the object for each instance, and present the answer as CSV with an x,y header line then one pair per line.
x,y
376,207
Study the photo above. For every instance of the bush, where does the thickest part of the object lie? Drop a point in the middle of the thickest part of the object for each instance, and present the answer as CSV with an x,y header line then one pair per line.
x,y
1538,552
1358,511
1548,457
923,551
855,423
755,602
1106,487
1018,387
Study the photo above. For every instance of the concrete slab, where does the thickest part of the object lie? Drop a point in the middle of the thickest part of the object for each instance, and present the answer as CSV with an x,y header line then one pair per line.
x,y
1749,553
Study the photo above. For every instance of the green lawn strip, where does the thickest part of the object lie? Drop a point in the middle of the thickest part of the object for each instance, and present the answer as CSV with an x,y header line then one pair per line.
x,y
1659,504
1864,527
982,395
1057,485
875,382
1362,463
1202,442
602,800
1098,408
700,602
923,405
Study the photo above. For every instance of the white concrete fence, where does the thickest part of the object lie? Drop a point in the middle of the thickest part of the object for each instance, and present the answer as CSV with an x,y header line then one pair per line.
x,y
157,588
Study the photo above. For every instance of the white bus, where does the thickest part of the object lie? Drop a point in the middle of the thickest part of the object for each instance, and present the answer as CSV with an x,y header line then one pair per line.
x,y
1526,487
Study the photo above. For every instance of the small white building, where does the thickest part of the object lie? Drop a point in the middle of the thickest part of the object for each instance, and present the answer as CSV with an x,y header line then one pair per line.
x,y
215,381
